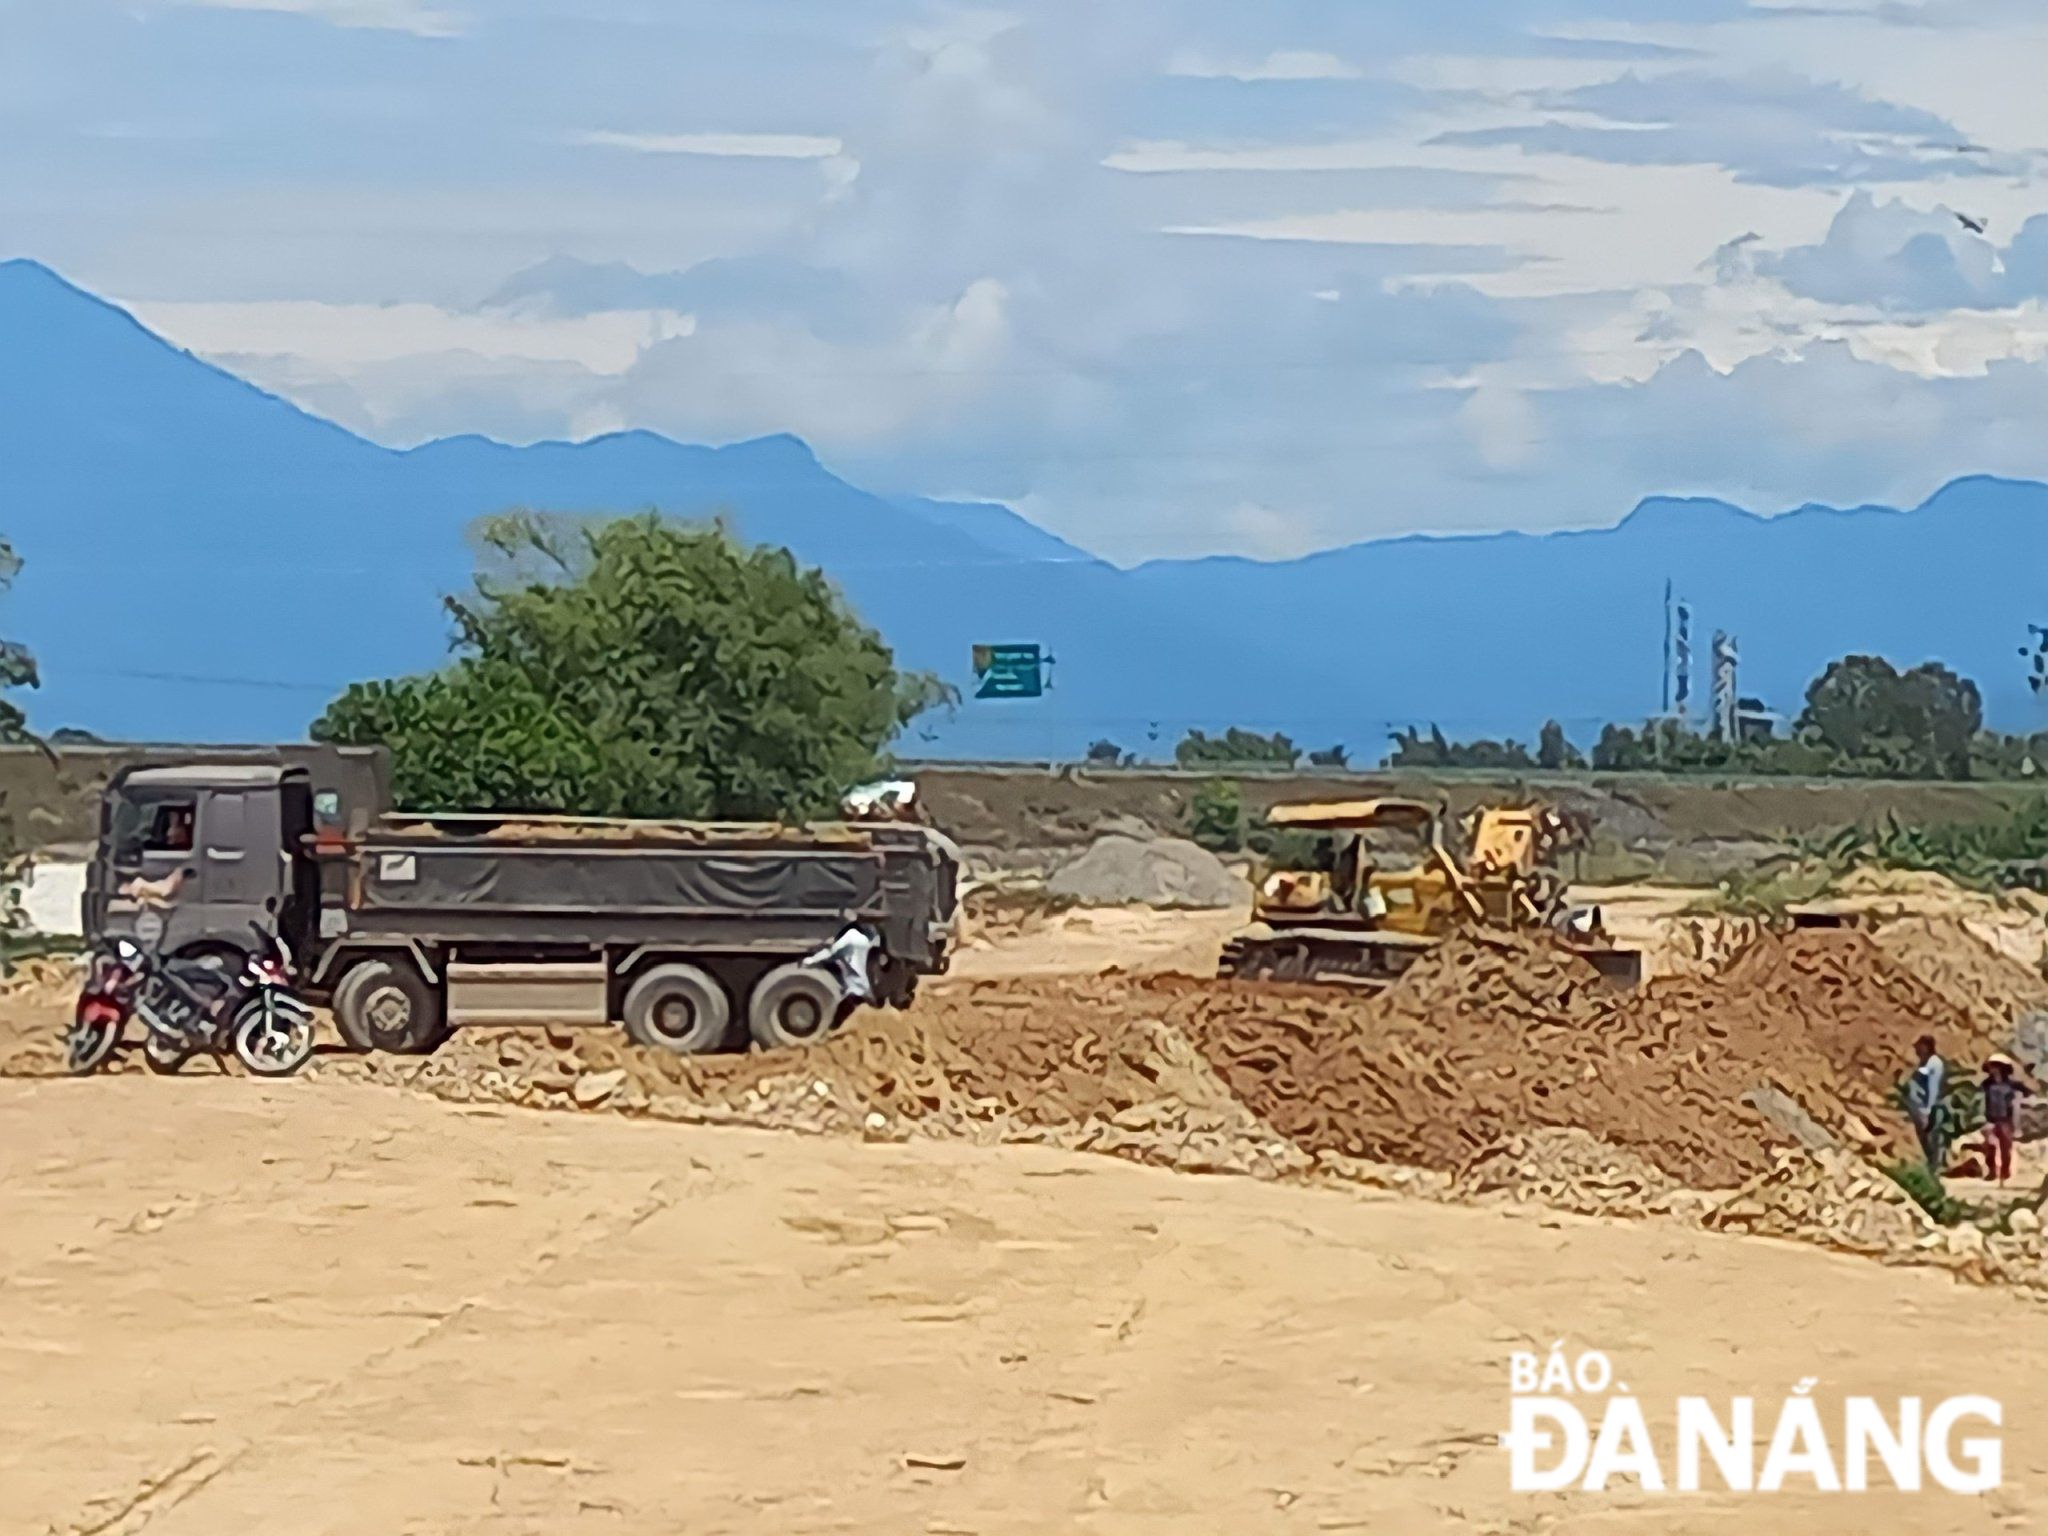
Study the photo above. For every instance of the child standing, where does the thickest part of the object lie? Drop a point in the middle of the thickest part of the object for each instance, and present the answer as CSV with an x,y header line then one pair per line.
x,y
2001,1111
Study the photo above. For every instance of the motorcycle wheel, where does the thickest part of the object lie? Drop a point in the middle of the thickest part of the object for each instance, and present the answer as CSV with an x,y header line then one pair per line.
x,y
87,1046
164,1057
272,1041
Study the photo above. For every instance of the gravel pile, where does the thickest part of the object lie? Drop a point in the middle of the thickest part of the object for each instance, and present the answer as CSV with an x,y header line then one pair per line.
x,y
1154,872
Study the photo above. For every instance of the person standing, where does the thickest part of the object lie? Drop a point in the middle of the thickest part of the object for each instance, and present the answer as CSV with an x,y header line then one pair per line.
x,y
1923,1104
851,958
2001,1112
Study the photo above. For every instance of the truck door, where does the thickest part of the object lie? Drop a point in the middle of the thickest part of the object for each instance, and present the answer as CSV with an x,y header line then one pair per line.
x,y
242,871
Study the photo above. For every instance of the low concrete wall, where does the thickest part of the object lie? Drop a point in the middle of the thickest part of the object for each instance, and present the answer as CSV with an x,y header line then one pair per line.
x,y
52,897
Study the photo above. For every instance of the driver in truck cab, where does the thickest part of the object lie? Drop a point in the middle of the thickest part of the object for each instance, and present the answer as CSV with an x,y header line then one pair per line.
x,y
175,835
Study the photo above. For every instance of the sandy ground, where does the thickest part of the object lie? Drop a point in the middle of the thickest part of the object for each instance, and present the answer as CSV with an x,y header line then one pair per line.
x,y
314,1308
1091,940
332,1307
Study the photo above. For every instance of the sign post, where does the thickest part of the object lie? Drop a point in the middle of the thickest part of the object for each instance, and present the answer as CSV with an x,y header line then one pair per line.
x,y
1010,671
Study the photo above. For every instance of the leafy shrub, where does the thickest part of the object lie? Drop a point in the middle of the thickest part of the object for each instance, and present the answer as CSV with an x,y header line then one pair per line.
x,y
1216,816
1920,1182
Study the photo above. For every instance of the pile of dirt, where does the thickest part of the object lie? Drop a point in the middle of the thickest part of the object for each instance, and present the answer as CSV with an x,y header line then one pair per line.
x,y
1572,1170
1703,945
1493,975
1834,1199
1487,1041
976,1063
1950,957
1155,872
1501,1035
36,1000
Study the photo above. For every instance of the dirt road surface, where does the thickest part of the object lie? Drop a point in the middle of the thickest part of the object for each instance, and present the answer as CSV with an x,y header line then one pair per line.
x,y
1091,940
324,1308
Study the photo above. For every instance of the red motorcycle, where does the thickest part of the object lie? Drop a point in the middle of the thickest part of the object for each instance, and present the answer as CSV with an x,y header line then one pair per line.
x,y
104,1003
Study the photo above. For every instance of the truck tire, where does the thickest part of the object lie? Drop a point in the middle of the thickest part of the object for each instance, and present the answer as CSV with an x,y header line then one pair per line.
x,y
387,1005
678,1008
794,1005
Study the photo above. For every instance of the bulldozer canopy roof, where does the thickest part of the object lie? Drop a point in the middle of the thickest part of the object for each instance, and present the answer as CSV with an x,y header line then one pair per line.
x,y
1337,815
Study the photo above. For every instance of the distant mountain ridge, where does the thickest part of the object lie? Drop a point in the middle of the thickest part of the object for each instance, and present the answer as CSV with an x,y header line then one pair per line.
x,y
208,561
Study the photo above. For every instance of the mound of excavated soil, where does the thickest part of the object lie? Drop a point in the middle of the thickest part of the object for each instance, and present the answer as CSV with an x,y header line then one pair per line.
x,y
1494,1054
1949,957
1156,872
1497,1059
36,1001
1570,1169
1490,1038
977,1063
1831,1198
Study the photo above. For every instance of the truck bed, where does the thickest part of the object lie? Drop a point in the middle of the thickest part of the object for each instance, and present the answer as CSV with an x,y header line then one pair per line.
x,y
738,887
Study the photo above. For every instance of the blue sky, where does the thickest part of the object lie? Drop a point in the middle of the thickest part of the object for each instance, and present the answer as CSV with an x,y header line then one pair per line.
x,y
1170,278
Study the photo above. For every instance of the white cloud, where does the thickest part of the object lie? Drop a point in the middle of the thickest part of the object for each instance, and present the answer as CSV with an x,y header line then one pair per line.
x,y
742,146
413,16
1502,426
983,304
1282,64
1155,156
340,338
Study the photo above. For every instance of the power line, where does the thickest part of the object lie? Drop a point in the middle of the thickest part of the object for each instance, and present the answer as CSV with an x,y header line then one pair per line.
x,y
206,680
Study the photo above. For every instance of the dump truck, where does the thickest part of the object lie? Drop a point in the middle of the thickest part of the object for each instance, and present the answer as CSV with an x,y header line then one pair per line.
x,y
1339,915
691,936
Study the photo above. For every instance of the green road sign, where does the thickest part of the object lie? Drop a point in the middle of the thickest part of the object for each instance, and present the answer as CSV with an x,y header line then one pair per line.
x,y
1009,671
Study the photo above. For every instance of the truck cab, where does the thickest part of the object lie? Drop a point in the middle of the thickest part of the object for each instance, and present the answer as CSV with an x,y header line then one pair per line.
x,y
232,835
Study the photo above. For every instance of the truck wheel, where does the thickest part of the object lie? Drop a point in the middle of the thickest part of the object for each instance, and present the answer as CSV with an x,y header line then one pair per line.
x,y
793,1005
387,1005
677,1008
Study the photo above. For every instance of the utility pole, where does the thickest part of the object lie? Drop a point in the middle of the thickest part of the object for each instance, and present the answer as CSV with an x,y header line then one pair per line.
x,y
1665,707
1726,701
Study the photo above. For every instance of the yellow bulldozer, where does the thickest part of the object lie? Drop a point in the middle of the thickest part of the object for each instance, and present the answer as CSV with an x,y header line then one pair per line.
x,y
1344,917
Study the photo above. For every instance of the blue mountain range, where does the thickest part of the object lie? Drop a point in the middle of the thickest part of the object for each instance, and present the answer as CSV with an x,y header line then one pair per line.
x,y
205,561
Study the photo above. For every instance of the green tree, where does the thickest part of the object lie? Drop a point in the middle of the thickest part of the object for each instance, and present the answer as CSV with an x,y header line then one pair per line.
x,y
17,670
1236,748
17,665
1106,754
1338,756
1553,751
1414,750
1618,749
1875,719
640,668
1216,816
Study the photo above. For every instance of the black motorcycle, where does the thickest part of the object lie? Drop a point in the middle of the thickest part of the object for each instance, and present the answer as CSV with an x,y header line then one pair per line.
x,y
192,1004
